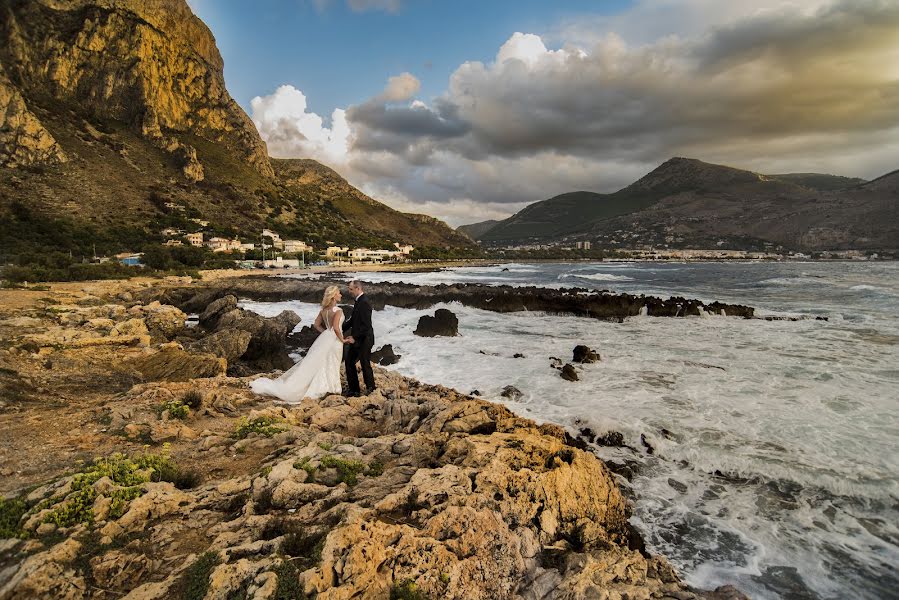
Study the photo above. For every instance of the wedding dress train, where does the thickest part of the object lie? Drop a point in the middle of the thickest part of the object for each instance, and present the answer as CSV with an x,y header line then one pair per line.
x,y
316,375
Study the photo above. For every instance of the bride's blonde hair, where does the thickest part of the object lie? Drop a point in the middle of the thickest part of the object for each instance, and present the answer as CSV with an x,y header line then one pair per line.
x,y
331,292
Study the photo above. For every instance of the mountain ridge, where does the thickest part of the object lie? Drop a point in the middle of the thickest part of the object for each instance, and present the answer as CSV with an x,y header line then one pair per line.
x,y
116,125
686,202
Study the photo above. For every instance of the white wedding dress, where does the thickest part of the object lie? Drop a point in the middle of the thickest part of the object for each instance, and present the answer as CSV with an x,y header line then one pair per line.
x,y
316,375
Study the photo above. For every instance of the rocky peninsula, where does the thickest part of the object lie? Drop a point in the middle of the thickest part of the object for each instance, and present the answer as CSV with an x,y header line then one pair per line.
x,y
137,464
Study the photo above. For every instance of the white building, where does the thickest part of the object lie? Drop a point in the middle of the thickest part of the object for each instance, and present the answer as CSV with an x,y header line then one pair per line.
x,y
195,239
218,244
281,263
404,249
294,246
583,245
277,242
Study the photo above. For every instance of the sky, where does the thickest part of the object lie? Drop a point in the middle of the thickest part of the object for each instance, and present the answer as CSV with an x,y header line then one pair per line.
x,y
471,110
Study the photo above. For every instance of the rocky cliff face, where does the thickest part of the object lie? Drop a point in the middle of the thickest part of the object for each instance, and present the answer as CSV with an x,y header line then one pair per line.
x,y
150,63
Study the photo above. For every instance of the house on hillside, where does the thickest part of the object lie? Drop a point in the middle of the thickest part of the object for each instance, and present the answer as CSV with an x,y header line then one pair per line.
x,y
294,246
219,244
195,239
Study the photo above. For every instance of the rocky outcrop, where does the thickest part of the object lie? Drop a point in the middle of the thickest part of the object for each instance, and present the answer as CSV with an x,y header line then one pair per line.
x,y
568,373
23,138
570,301
150,63
443,323
172,363
385,356
585,354
266,349
412,487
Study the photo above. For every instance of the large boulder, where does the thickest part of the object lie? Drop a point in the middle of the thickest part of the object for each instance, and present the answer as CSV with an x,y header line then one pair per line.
x,y
209,318
585,354
385,356
172,363
229,344
443,323
267,349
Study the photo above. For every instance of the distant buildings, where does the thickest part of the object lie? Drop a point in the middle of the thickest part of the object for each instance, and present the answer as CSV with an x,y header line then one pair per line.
x,y
218,244
194,239
583,245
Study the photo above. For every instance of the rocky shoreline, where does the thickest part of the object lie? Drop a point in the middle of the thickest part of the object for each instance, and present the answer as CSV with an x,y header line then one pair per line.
x,y
574,301
136,466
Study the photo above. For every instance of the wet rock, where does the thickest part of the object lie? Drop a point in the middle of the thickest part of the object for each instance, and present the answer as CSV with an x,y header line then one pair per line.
x,y
611,439
385,356
174,364
677,485
568,373
585,354
646,444
443,323
511,392
518,355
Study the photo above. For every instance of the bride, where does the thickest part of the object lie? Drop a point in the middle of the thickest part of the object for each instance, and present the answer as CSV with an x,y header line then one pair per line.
x,y
318,373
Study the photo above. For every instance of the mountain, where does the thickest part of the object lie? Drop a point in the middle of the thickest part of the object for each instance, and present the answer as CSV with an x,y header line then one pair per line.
x,y
475,230
689,203
115,124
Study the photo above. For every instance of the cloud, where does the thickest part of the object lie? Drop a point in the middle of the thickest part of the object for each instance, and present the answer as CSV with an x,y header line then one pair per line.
x,y
772,86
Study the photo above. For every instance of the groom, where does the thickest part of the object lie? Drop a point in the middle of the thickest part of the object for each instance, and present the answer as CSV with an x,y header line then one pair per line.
x,y
361,340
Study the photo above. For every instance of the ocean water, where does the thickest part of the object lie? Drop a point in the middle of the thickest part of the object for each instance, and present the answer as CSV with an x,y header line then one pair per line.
x,y
776,443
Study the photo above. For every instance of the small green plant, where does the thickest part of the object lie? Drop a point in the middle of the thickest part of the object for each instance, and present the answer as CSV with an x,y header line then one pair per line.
x,y
406,590
347,470
176,409
11,513
267,426
375,469
306,465
326,446
444,578
288,582
128,473
195,581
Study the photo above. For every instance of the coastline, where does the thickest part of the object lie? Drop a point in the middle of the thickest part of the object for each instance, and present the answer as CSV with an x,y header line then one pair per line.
x,y
479,490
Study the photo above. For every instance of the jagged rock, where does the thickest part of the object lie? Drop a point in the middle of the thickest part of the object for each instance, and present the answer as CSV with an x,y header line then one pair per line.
x,y
163,320
443,323
568,373
174,364
47,575
585,354
511,392
229,344
210,316
384,356
267,349
304,338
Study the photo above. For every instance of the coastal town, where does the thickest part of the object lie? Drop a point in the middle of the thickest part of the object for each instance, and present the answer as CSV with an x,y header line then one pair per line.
x,y
273,251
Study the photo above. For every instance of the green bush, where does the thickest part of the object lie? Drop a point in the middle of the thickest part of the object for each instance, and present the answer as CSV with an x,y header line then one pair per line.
x,y
11,512
195,581
288,582
267,426
347,470
176,409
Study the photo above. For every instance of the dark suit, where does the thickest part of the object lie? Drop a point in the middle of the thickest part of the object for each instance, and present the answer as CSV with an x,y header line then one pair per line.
x,y
359,326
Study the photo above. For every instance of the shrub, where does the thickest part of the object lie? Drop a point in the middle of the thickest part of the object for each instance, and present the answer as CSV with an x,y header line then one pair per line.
x,y
288,582
192,399
195,581
267,426
406,590
11,513
347,470
176,409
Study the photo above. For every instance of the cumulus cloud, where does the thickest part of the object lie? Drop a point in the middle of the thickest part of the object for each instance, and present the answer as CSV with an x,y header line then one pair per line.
x,y
773,86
